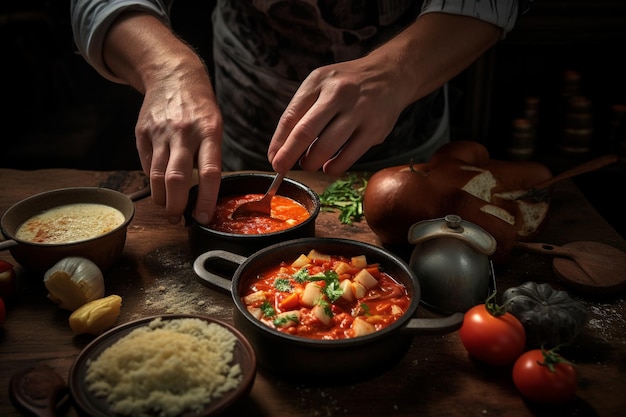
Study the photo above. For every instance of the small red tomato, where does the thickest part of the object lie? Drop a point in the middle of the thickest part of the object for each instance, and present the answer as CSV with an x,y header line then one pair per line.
x,y
543,376
7,280
492,335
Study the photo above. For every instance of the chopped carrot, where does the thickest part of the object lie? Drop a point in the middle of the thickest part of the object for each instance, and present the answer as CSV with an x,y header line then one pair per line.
x,y
290,302
374,270
345,276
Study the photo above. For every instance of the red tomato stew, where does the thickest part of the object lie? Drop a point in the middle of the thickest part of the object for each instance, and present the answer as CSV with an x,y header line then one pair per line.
x,y
320,296
285,213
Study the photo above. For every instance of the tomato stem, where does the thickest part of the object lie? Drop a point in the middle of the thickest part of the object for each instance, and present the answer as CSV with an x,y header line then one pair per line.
x,y
492,306
551,358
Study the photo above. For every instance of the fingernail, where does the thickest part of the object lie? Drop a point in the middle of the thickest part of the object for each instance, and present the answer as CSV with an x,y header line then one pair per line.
x,y
202,218
173,220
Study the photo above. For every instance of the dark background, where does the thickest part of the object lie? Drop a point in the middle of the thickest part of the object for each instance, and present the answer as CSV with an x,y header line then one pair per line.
x,y
58,112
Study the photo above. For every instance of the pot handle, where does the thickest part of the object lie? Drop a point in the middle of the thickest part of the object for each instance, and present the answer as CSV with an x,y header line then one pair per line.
x,y
208,276
7,244
140,194
437,325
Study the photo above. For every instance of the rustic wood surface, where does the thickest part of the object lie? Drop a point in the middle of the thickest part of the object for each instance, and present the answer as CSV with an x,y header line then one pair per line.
x,y
154,275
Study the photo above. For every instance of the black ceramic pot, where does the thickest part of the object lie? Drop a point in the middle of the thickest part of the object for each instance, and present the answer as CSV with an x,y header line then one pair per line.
x,y
308,359
202,238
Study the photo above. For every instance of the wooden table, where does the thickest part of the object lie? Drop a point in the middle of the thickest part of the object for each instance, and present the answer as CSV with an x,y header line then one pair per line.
x,y
435,378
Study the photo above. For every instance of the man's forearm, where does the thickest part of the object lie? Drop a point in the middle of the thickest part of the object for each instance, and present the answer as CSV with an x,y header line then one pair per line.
x,y
434,49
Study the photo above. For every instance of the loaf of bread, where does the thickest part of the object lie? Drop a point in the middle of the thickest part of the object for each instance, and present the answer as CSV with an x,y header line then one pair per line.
x,y
460,179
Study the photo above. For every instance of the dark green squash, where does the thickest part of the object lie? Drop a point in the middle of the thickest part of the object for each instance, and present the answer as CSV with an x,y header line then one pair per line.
x,y
550,317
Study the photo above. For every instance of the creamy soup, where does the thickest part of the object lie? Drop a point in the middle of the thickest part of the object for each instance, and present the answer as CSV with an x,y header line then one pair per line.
x,y
70,223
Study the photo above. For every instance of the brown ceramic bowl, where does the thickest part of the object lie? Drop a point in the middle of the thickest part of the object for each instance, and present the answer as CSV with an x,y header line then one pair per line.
x,y
203,238
103,250
89,405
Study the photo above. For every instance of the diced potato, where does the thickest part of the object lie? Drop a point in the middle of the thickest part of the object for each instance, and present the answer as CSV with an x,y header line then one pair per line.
x,y
96,316
396,310
256,312
287,319
348,291
366,279
311,294
322,314
358,290
302,260
342,268
359,261
360,327
375,318
313,254
255,297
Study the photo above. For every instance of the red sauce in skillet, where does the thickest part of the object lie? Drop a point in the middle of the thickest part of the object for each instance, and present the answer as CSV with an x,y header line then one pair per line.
x,y
318,297
285,213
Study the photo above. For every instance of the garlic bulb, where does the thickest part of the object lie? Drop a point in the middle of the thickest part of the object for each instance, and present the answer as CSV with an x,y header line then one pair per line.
x,y
74,281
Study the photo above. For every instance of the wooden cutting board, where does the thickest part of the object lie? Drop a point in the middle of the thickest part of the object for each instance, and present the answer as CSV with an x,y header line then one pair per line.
x,y
590,267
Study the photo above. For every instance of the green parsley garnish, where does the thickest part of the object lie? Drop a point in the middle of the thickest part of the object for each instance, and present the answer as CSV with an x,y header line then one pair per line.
x,y
267,309
332,289
345,195
283,285
365,309
301,276
281,321
327,309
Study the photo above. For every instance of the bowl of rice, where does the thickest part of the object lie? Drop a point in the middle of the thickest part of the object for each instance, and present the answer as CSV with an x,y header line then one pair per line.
x,y
176,365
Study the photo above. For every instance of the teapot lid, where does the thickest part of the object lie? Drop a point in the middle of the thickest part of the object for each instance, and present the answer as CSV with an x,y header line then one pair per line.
x,y
453,226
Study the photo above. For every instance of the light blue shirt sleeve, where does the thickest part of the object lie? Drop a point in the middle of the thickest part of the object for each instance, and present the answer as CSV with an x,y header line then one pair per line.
x,y
502,13
91,20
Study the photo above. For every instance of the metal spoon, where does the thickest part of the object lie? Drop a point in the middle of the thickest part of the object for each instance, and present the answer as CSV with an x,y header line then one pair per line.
x,y
263,206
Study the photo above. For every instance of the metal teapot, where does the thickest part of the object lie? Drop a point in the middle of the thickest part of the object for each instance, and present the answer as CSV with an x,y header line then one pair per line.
x,y
451,261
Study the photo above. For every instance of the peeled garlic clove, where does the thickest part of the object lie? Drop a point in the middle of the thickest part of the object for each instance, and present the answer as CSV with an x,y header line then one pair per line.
x,y
96,316
74,281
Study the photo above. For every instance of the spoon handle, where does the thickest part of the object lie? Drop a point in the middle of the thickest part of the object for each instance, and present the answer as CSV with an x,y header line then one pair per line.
x,y
545,248
37,391
278,179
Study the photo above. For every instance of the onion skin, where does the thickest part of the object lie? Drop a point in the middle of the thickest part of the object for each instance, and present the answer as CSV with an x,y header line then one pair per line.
x,y
399,196
74,281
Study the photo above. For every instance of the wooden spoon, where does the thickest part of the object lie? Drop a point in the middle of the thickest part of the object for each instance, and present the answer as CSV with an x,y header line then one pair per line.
x,y
539,191
37,391
591,267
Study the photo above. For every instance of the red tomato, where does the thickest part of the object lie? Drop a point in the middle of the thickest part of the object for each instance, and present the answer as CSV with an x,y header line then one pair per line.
x,y
2,312
545,377
7,280
492,336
